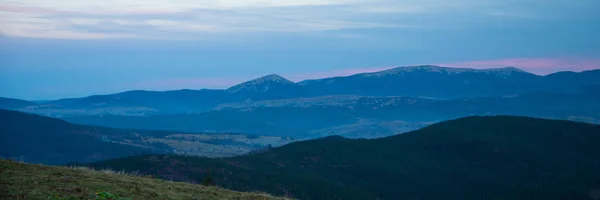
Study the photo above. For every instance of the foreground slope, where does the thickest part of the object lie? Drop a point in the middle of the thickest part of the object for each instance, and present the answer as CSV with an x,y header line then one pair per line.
x,y
32,182
499,157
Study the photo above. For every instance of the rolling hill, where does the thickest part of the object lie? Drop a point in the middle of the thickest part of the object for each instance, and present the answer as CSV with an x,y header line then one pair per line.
x,y
36,139
10,103
495,157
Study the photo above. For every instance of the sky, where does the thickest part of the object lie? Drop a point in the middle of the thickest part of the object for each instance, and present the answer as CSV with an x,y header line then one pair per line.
x,y
51,49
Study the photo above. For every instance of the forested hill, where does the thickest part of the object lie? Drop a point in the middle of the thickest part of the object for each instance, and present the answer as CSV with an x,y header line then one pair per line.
x,y
37,139
499,157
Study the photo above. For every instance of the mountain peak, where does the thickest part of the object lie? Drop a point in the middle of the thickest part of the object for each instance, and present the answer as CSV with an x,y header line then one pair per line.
x,y
273,78
262,82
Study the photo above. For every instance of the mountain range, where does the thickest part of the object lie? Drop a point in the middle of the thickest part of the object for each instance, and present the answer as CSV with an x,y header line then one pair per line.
x,y
493,157
417,81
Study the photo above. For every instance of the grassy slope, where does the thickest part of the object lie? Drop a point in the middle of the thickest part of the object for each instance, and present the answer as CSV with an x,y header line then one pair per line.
x,y
470,158
28,181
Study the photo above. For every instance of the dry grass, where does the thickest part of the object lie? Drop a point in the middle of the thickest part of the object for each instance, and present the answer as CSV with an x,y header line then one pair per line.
x,y
27,181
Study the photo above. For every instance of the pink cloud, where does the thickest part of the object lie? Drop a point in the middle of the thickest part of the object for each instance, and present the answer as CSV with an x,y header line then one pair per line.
x,y
534,65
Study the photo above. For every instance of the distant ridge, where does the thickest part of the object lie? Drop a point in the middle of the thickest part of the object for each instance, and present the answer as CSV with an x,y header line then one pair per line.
x,y
427,68
431,81
10,103
439,69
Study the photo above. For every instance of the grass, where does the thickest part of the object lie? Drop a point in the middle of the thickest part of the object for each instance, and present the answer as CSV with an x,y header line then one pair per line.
x,y
31,182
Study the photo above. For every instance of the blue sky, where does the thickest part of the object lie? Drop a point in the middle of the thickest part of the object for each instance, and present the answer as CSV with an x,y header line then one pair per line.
x,y
53,49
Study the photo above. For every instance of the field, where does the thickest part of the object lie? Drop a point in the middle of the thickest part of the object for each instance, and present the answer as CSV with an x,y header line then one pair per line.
x,y
218,145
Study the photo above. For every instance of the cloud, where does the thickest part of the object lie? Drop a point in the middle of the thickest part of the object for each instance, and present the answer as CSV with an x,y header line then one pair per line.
x,y
68,19
173,19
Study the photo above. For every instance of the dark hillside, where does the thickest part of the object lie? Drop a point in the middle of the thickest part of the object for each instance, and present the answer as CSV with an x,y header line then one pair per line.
x,y
37,139
499,157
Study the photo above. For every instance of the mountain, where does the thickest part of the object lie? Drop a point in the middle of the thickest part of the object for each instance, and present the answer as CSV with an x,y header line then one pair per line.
x,y
268,87
435,82
494,157
9,103
37,139
570,79
141,102
27,181
415,81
